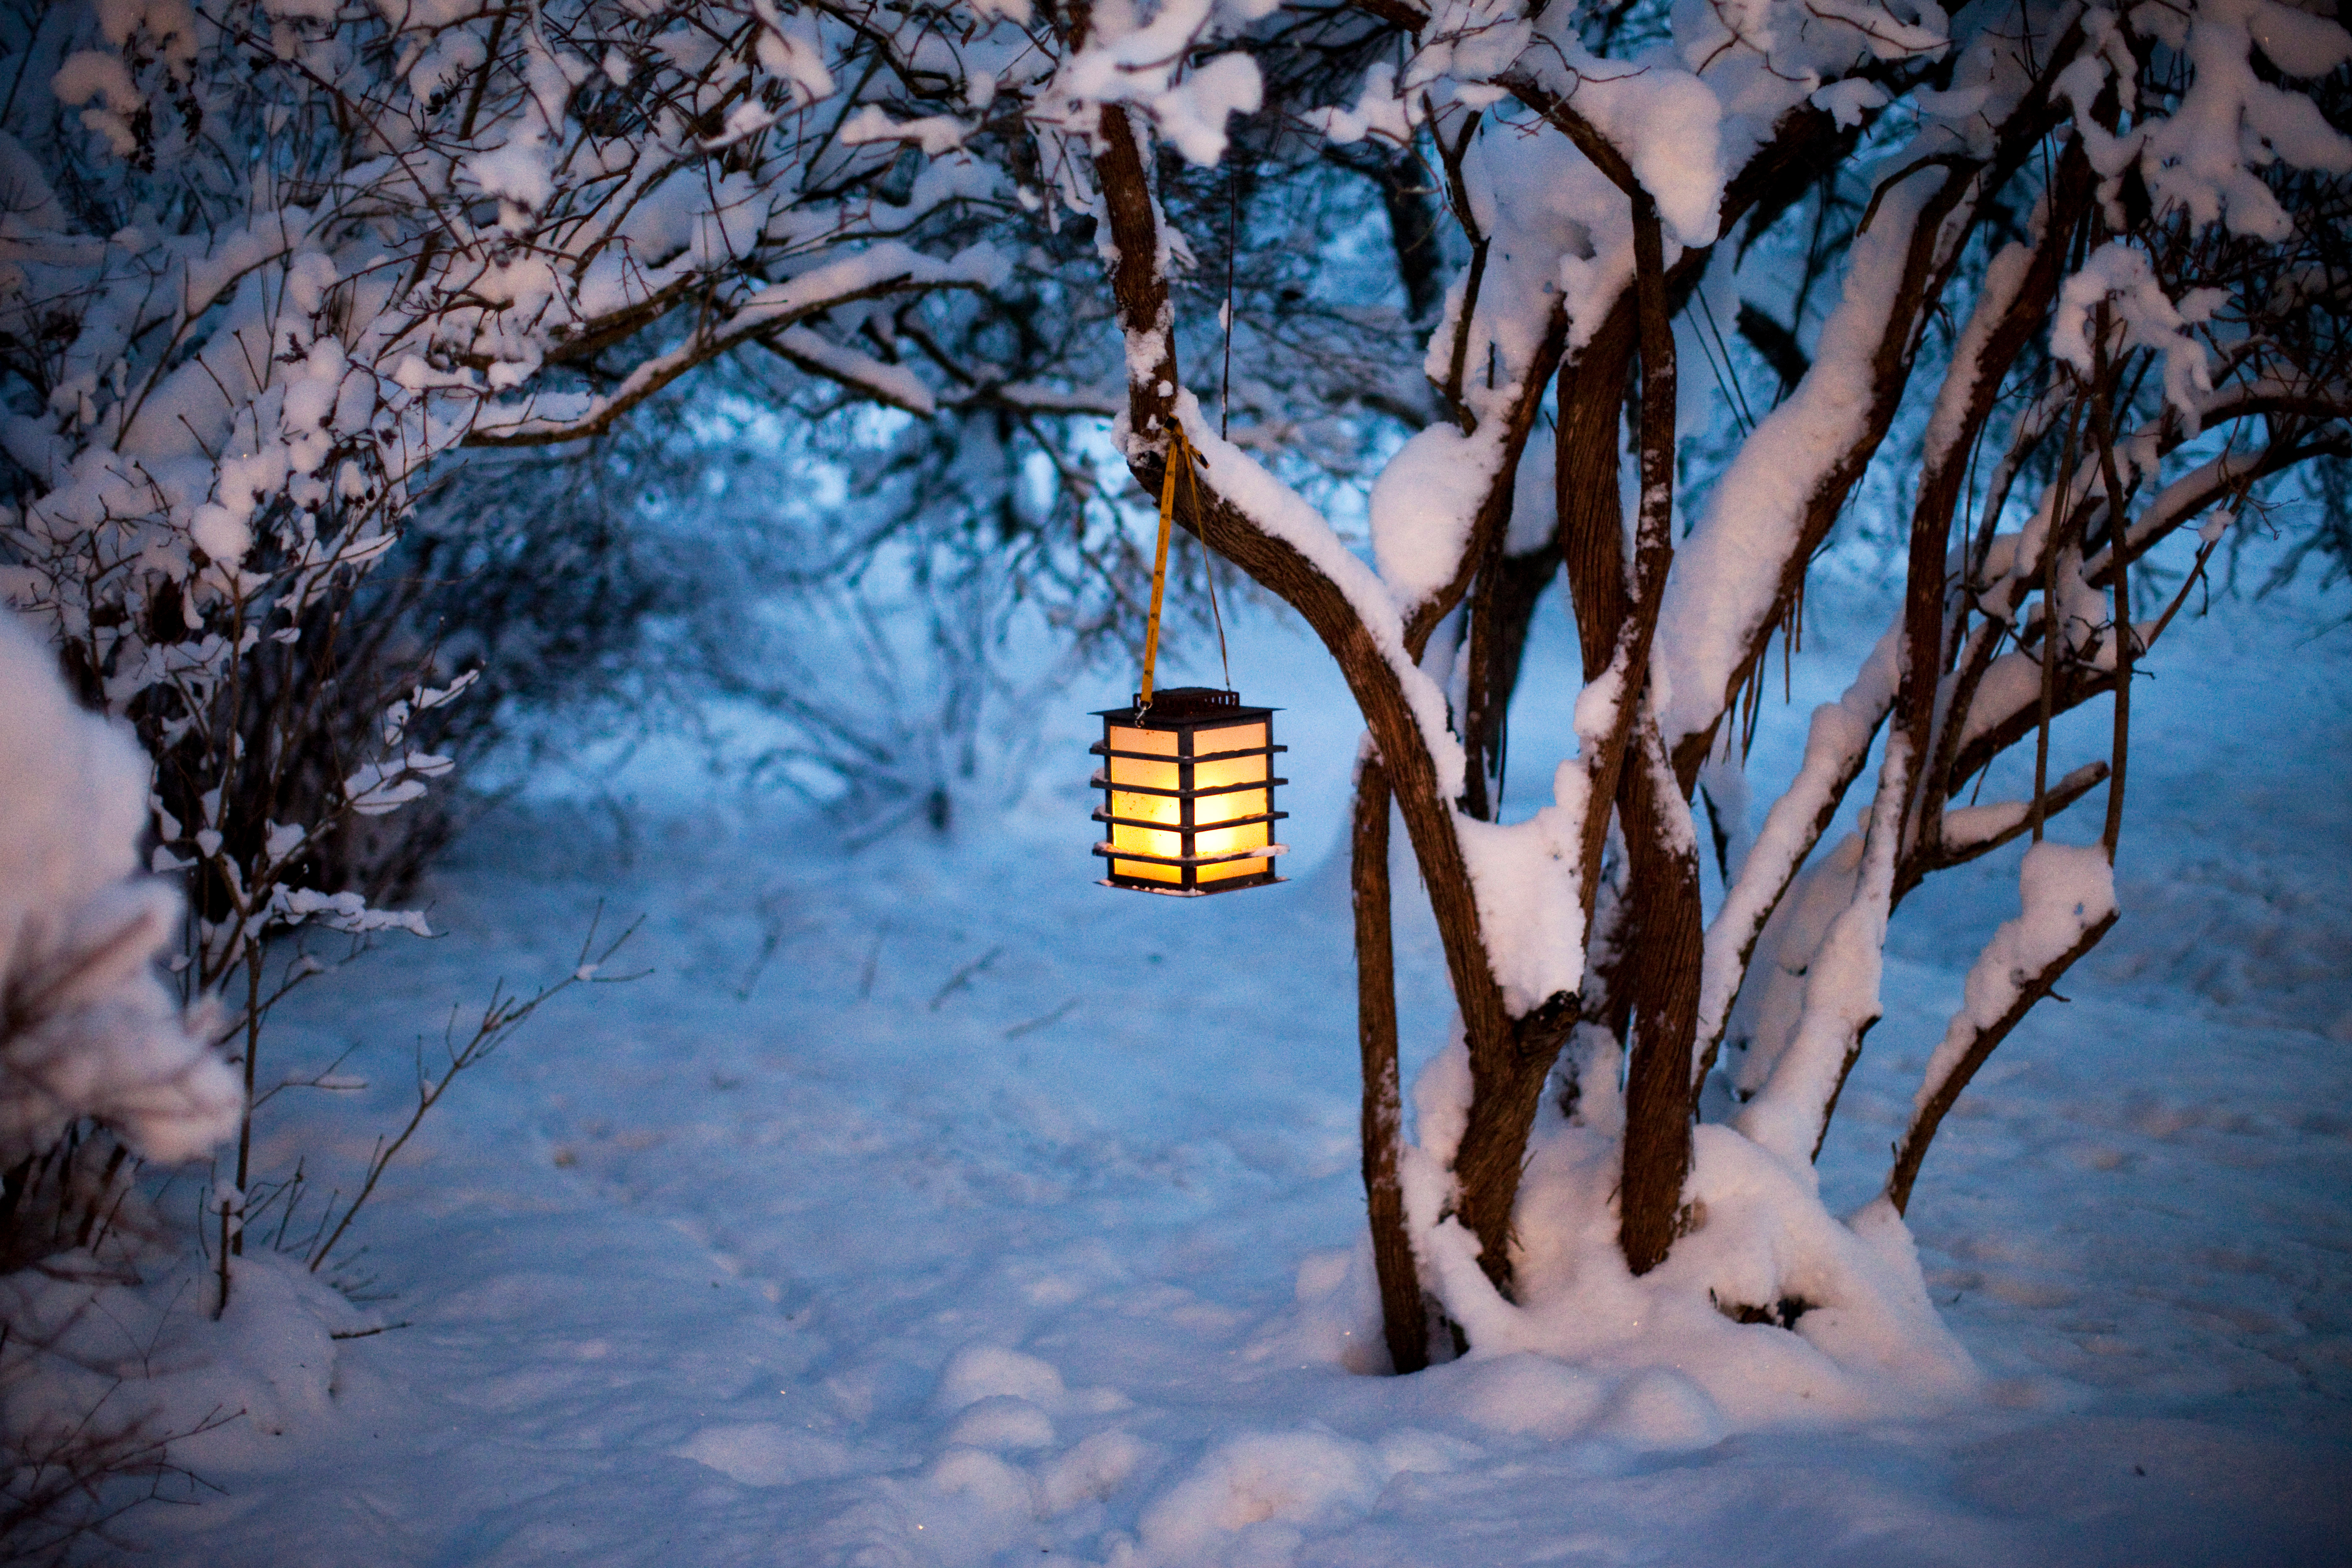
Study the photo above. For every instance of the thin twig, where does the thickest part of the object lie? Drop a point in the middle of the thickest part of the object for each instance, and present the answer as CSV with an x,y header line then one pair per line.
x,y
1034,1025
500,1018
963,977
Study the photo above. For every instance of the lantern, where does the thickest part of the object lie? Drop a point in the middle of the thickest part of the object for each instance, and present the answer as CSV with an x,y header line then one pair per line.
x,y
1187,794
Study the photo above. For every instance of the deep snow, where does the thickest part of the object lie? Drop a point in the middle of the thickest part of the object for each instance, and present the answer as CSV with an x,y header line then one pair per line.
x,y
999,1217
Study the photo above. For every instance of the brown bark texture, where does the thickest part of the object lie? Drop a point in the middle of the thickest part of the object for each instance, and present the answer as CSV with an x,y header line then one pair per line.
x,y
1402,1323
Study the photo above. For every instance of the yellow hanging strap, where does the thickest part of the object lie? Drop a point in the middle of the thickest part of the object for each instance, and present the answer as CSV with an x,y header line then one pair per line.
x,y
1179,459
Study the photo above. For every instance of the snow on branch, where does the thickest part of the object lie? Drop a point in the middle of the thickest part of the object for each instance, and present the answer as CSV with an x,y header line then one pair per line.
x,y
1836,745
2068,897
777,312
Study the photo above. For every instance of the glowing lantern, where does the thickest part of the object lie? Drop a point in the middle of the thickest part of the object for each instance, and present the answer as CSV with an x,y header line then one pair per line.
x,y
1187,794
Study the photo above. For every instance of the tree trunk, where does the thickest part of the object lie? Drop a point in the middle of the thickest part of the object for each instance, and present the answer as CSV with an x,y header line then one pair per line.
x,y
1662,974
1402,1320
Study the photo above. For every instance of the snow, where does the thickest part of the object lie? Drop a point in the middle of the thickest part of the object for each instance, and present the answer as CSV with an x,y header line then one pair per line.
x,y
1423,504
1835,744
1528,877
89,1029
1379,111
1148,63
1727,576
1667,123
1661,1367
1842,997
2206,156
825,1275
1246,1498
2121,277
2065,889
1848,101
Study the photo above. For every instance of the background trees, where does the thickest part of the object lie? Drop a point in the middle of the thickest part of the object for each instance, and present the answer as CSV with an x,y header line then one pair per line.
x,y
268,270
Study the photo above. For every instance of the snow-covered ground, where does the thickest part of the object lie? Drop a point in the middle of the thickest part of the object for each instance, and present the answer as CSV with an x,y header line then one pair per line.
x,y
995,1218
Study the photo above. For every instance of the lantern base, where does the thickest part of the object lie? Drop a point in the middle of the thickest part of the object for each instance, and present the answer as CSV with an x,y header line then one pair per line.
x,y
1187,882
1235,886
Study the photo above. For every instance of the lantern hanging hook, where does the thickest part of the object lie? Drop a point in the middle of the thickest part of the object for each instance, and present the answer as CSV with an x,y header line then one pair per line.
x,y
1181,455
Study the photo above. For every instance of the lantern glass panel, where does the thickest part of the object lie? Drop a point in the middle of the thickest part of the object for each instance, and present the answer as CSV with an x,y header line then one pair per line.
x,y
1166,809
1148,840
1227,807
1226,870
1154,808
1228,738
1227,840
1130,773
1158,743
1226,771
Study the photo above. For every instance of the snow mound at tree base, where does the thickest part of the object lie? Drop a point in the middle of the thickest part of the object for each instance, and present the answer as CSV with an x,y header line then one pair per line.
x,y
1769,1311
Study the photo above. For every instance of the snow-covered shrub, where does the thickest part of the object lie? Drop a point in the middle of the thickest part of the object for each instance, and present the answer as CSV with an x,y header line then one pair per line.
x,y
267,270
88,1030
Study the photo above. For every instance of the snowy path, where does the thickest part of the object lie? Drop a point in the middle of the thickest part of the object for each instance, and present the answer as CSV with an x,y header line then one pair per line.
x,y
880,1265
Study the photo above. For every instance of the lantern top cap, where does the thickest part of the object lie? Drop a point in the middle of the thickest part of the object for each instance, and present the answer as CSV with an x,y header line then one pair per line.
x,y
1182,705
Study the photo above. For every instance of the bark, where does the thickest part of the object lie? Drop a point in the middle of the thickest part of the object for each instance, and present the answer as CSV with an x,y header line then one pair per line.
x,y
1662,853
1661,974
1504,1097
1402,1320
1591,533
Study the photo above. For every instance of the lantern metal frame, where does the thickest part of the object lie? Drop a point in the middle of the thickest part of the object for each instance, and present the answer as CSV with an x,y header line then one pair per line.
x,y
1184,713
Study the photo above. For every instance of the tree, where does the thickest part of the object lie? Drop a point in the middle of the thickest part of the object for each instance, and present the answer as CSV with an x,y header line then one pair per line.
x,y
266,266
2059,282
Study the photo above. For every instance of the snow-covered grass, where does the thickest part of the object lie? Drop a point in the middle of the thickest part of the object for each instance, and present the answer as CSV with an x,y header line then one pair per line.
x,y
995,1218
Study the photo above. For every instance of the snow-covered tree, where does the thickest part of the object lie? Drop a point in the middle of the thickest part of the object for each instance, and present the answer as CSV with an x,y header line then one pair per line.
x,y
263,266
2044,285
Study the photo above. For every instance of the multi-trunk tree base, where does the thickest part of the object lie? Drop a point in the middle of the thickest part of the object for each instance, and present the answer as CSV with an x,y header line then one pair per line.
x,y
1768,1310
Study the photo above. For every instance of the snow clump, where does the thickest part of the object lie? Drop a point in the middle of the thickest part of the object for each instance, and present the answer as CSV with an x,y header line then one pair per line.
x,y
89,1029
